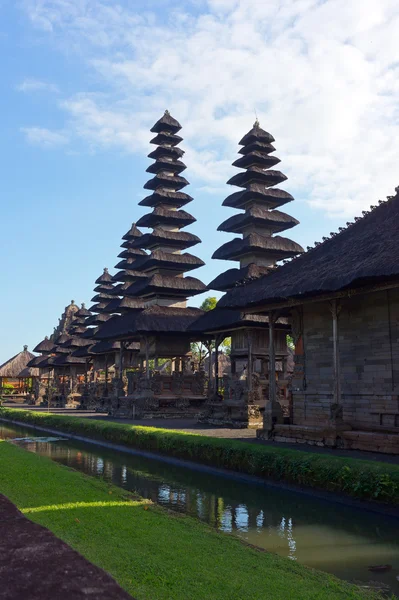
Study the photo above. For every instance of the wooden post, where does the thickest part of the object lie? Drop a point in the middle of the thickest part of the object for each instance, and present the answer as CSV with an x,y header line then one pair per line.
x,y
106,375
268,414
249,362
217,342
147,358
121,361
335,310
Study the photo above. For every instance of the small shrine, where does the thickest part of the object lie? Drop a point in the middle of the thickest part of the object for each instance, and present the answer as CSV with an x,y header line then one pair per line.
x,y
17,378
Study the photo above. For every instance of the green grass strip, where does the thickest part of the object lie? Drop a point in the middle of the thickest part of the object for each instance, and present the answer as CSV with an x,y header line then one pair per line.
x,y
368,480
152,553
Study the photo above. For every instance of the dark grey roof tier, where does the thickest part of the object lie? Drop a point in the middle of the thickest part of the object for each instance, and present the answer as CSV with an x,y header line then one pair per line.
x,y
130,252
133,233
163,285
168,260
76,322
270,197
67,360
78,330
60,349
256,158
163,164
175,182
273,220
276,247
46,362
166,123
257,146
120,305
82,352
61,339
171,151
95,319
82,312
90,331
44,347
165,138
177,199
236,277
101,299
105,277
38,362
256,134
127,245
164,237
257,175
155,319
163,216
105,348
221,319
127,275
366,252
104,288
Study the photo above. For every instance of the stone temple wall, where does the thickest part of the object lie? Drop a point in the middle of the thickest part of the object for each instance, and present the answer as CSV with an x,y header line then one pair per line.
x,y
368,328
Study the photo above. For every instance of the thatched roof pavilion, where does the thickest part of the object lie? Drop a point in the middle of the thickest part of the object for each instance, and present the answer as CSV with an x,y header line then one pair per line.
x,y
17,366
363,253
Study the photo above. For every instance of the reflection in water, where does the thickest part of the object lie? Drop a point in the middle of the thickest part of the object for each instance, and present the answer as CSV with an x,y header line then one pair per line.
x,y
321,534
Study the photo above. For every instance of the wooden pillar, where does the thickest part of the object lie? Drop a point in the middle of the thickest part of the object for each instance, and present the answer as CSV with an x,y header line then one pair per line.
x,y
106,376
121,360
217,342
249,362
147,358
156,363
233,366
335,310
268,413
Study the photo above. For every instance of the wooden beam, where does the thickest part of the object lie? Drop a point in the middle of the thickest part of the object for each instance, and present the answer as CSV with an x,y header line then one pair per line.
x,y
147,358
335,310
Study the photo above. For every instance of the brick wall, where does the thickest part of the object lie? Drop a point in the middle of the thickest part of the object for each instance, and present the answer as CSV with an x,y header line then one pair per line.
x,y
368,328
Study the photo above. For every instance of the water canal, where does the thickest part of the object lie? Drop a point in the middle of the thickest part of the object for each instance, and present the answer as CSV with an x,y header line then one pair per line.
x,y
339,539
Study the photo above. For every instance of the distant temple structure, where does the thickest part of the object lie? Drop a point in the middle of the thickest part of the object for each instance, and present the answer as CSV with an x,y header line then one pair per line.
x,y
257,251
17,378
342,297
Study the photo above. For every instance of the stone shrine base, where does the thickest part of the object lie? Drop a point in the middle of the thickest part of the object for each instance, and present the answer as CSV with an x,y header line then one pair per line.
x,y
237,416
384,441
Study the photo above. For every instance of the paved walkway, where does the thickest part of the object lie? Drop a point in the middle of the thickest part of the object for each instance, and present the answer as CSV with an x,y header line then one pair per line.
x,y
191,426
36,565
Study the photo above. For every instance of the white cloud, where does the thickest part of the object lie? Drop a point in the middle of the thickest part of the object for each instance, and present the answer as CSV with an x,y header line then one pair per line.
x,y
39,136
35,85
321,75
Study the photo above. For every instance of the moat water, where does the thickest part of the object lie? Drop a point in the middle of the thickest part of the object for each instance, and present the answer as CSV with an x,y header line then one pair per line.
x,y
331,537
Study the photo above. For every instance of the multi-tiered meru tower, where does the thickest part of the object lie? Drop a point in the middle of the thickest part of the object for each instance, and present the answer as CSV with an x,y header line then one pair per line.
x,y
257,250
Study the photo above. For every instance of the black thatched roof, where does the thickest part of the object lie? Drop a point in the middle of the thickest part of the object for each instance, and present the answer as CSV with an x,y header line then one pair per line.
x,y
236,277
277,246
257,146
162,216
133,233
227,320
105,277
171,151
156,319
97,319
168,260
131,253
166,123
363,253
127,275
163,196
270,197
82,312
67,360
44,347
166,164
274,220
163,285
256,158
120,305
174,239
167,139
38,362
257,175
176,182
256,134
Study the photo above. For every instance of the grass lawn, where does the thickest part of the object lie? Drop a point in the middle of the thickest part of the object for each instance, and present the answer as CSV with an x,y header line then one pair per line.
x,y
362,479
152,553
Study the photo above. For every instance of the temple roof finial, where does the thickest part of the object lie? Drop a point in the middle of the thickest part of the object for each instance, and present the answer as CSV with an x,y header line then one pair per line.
x,y
166,112
72,301
105,270
25,348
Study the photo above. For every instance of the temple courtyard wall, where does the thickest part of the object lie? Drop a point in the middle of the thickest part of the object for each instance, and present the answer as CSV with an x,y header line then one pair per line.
x,y
367,415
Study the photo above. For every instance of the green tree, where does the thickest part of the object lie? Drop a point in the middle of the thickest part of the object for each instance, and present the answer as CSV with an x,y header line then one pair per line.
x,y
209,303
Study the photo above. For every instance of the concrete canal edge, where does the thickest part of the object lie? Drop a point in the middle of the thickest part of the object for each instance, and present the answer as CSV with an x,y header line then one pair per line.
x,y
334,498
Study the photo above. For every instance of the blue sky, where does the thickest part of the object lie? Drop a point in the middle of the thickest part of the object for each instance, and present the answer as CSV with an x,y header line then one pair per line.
x,y
84,80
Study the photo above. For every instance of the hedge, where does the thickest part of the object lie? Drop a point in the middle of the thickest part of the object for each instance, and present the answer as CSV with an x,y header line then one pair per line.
x,y
362,479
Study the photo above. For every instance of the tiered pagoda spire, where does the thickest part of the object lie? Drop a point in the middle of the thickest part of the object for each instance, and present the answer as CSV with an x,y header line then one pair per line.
x,y
157,274
259,248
